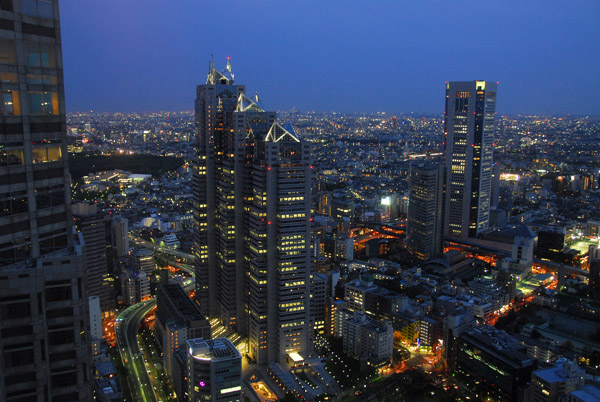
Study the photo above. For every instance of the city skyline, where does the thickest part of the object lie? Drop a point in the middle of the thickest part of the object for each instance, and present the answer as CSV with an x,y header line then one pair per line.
x,y
540,53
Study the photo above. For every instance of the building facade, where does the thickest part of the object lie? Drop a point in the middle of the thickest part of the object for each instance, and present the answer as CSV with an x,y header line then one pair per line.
x,y
44,317
252,211
96,229
469,156
368,339
424,228
142,260
214,371
548,384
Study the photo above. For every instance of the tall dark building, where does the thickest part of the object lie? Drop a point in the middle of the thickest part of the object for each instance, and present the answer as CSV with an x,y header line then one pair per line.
x,y
43,306
95,226
497,359
594,279
551,242
469,154
252,211
424,229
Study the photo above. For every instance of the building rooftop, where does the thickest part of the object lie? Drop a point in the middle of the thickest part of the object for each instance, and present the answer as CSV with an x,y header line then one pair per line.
x,y
212,349
587,393
500,344
184,305
561,371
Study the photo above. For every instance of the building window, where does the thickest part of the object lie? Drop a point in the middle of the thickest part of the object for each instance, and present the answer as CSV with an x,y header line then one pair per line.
x,y
41,79
9,103
11,157
40,56
43,102
46,154
37,8
7,51
6,5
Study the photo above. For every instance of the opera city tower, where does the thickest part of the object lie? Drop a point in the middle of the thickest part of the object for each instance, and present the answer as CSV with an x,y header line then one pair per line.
x,y
469,156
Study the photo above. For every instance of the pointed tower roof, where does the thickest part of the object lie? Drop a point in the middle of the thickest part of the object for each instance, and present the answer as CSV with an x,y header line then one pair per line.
x,y
278,133
216,77
244,104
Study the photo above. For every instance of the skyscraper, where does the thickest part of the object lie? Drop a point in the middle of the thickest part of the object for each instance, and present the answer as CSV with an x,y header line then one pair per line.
x,y
278,247
95,227
43,306
424,228
219,196
469,147
252,212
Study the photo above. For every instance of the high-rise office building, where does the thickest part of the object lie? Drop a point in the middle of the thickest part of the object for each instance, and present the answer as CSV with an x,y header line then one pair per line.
x,y
278,247
424,228
219,215
142,260
252,211
120,236
95,227
43,305
469,153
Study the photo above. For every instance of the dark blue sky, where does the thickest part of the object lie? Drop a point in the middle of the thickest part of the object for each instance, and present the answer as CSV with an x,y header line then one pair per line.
x,y
348,56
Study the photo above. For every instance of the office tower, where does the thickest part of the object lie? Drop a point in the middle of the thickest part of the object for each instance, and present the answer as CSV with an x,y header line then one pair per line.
x,y
94,225
43,308
142,260
318,300
469,148
495,191
95,324
214,370
252,213
424,228
135,286
120,236
278,246
174,304
594,278
219,215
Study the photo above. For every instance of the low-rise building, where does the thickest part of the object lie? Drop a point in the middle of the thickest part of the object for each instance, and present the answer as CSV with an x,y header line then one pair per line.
x,y
368,339
214,370
548,384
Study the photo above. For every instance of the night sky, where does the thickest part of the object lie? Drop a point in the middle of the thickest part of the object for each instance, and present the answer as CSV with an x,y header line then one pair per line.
x,y
346,56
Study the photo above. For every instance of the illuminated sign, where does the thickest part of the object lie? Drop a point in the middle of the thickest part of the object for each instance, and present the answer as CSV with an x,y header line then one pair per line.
x,y
232,389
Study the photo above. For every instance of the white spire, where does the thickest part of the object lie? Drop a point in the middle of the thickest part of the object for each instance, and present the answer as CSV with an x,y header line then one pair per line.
x,y
228,68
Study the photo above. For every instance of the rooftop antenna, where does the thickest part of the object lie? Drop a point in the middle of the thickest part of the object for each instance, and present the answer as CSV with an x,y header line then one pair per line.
x,y
228,68
212,63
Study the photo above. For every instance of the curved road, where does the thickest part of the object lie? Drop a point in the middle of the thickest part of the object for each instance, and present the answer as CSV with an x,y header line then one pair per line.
x,y
126,329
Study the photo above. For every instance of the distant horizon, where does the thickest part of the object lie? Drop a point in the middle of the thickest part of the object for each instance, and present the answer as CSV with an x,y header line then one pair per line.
x,y
351,113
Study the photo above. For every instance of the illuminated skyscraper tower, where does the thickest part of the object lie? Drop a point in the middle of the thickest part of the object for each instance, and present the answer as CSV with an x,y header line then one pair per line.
x,y
43,306
278,247
424,229
219,198
252,213
468,145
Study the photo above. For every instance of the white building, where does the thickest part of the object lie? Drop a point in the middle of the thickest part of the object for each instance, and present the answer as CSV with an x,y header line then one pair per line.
x,y
365,338
549,383
95,324
214,370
